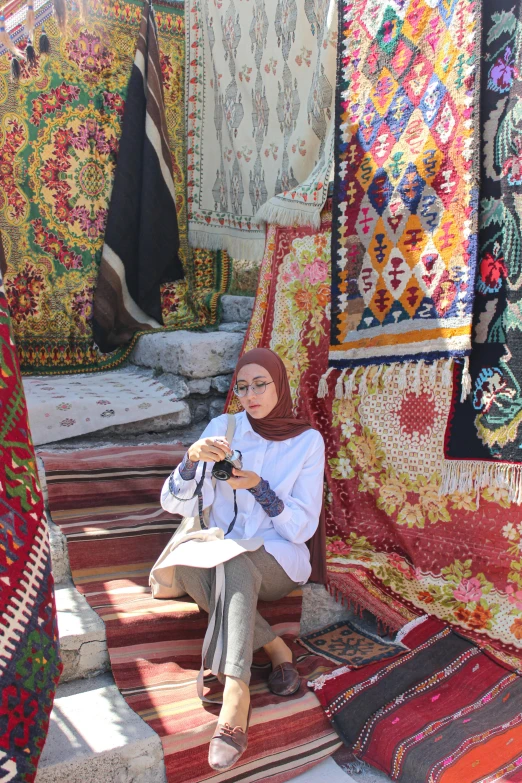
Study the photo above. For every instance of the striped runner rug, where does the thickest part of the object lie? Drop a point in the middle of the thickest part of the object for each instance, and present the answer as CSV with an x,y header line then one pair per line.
x,y
106,502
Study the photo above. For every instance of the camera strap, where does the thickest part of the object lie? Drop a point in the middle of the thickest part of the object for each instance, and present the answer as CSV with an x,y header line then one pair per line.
x,y
198,492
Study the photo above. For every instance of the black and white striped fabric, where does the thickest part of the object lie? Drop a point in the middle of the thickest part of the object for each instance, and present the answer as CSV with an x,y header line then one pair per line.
x,y
141,239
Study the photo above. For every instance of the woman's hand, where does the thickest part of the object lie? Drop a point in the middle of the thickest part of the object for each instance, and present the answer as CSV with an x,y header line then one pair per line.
x,y
244,479
209,449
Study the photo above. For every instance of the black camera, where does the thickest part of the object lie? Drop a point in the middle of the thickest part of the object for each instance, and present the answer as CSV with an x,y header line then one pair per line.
x,y
222,470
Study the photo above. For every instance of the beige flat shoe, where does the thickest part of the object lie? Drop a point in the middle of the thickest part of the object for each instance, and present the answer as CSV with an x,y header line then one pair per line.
x,y
228,745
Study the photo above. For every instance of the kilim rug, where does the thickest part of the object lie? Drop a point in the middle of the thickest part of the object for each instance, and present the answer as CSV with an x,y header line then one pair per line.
x,y
141,242
108,507
443,713
396,546
353,645
260,97
68,406
59,131
30,666
483,437
406,181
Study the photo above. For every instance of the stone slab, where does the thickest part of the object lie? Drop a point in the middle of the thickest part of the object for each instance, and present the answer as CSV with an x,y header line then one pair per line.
x,y
95,736
320,609
59,553
176,383
234,326
236,308
199,385
328,770
83,643
221,383
191,354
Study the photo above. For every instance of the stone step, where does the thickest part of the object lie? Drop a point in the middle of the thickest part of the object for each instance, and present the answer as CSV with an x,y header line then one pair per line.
x,y
83,642
236,309
191,354
95,736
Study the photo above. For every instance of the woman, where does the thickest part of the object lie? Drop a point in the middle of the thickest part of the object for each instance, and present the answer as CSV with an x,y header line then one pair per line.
x,y
279,497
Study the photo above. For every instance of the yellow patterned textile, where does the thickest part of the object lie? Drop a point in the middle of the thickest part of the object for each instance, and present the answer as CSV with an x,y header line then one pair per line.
x,y
59,131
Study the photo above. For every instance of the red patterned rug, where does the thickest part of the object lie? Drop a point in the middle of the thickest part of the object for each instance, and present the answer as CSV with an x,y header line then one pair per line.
x,y
396,546
115,530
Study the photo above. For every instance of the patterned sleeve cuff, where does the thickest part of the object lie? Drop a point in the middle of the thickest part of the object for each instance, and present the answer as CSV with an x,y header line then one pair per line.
x,y
187,469
267,499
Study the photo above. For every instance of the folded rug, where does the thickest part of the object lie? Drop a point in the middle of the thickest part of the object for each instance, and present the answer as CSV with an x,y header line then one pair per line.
x,y
108,508
350,644
30,664
406,188
260,96
70,405
444,712
482,446
141,241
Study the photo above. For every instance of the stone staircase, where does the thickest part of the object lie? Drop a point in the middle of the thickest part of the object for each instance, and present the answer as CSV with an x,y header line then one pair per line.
x,y
93,734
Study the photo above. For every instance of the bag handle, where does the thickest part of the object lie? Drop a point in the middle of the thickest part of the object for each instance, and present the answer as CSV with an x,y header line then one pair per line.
x,y
231,427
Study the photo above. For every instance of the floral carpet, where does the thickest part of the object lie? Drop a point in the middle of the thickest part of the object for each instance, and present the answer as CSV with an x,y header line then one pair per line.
x,y
60,126
396,546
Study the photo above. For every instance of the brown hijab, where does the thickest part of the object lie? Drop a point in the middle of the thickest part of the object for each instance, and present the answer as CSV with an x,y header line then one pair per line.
x,y
281,424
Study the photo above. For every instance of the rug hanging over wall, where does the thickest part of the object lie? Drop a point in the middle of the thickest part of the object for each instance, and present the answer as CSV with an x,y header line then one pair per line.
x,y
59,131
484,432
260,98
405,207
396,546
29,662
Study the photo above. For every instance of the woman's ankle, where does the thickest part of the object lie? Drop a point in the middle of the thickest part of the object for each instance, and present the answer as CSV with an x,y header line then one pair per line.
x,y
278,652
236,701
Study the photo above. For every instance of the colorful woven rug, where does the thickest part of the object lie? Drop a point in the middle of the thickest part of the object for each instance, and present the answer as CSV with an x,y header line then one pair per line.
x,y
59,132
260,92
346,643
484,433
406,187
396,546
30,666
68,406
108,508
443,713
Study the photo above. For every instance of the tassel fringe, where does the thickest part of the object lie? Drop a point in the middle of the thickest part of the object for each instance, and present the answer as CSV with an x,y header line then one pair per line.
x,y
84,11
466,381
470,476
43,44
6,41
322,389
339,386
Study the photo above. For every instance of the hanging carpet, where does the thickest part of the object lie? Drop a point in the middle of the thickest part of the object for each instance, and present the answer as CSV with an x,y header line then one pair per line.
x,y
444,712
396,546
484,433
30,666
115,529
141,240
406,180
260,98
60,127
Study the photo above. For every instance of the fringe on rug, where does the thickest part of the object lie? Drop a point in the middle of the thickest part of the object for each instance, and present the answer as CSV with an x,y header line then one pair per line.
x,y
358,598
251,249
317,684
279,212
473,475
409,375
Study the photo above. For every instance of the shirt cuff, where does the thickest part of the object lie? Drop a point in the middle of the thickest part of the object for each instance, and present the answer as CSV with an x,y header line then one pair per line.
x,y
187,469
271,504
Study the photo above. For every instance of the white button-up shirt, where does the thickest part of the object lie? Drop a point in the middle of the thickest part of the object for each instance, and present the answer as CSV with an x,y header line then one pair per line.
x,y
294,469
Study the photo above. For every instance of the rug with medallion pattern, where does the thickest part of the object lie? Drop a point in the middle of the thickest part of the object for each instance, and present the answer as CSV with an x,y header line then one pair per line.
x,y
60,126
396,546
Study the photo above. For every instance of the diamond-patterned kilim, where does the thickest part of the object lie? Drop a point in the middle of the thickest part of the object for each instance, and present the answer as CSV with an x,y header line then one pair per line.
x,y
405,206
29,660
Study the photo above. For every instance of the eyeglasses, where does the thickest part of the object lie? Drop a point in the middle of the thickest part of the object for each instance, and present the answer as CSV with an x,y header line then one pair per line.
x,y
258,388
